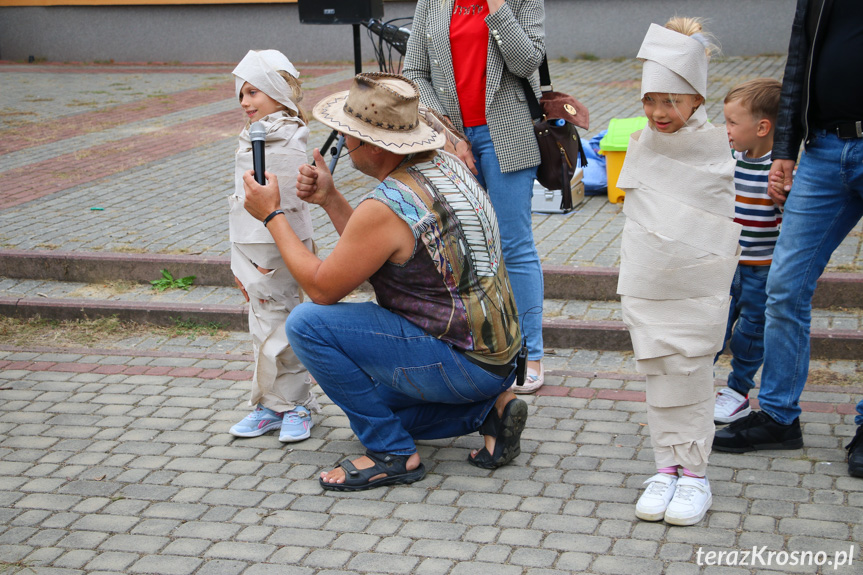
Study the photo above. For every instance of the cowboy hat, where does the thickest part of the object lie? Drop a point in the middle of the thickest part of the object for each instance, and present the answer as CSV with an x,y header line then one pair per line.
x,y
382,110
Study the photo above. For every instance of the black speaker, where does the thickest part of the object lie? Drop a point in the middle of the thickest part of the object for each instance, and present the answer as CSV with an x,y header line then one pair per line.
x,y
340,11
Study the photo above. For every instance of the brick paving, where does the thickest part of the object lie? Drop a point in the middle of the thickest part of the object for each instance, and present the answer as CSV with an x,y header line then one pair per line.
x,y
116,458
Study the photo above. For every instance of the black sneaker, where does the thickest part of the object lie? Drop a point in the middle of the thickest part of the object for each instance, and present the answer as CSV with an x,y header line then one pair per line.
x,y
758,431
855,454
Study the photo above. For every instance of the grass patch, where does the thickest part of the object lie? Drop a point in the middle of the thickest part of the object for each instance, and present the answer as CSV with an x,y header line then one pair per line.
x,y
76,102
804,457
107,333
41,331
827,377
167,281
120,286
588,56
12,567
105,290
129,250
193,329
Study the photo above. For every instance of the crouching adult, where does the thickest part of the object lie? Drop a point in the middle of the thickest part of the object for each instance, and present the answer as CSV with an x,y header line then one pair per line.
x,y
436,356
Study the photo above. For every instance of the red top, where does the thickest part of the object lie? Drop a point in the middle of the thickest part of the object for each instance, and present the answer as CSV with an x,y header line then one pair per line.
x,y
468,37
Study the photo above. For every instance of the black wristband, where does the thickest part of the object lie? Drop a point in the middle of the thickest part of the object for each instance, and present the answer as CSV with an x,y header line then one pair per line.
x,y
271,216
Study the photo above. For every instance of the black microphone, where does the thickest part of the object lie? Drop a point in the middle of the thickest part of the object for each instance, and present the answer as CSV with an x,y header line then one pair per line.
x,y
258,136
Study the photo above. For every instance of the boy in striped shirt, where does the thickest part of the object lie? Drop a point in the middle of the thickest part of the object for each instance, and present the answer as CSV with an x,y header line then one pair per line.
x,y
750,115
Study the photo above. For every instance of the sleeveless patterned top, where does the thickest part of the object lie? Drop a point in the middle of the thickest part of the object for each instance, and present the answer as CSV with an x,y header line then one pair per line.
x,y
455,285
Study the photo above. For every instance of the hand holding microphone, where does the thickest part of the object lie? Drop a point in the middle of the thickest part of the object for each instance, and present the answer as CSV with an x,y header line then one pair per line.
x,y
258,136
259,202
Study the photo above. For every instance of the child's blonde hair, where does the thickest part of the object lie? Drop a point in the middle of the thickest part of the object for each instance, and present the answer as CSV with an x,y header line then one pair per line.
x,y
296,95
694,27
759,96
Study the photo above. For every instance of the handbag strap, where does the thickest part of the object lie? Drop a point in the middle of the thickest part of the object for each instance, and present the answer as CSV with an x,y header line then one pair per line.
x,y
544,80
544,76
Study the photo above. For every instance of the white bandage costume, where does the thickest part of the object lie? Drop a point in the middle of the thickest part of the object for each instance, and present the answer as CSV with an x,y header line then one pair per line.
x,y
280,382
678,254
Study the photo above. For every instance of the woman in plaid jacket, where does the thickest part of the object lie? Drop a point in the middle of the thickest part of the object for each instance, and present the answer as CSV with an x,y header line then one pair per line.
x,y
468,58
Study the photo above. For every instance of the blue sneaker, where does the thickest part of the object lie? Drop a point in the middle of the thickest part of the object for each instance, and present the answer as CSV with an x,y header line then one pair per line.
x,y
296,425
257,423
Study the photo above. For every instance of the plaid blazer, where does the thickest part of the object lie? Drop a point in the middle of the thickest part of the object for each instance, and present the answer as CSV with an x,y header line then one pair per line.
x,y
516,45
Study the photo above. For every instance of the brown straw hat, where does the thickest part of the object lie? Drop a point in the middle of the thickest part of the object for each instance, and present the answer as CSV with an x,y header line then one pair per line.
x,y
383,110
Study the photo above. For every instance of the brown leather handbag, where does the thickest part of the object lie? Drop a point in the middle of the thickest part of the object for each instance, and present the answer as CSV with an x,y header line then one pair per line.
x,y
556,117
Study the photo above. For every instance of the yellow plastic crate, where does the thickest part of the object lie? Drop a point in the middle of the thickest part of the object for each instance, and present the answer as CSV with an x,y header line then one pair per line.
x,y
613,146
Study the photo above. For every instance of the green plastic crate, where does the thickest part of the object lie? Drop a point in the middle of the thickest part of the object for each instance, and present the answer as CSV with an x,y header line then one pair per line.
x,y
613,146
619,130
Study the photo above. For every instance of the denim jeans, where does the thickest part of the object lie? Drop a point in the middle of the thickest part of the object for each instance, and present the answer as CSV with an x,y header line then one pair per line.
x,y
858,419
395,382
745,331
511,195
825,203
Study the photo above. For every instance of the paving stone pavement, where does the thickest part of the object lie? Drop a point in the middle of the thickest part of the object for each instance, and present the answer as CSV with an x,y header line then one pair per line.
x,y
119,461
116,458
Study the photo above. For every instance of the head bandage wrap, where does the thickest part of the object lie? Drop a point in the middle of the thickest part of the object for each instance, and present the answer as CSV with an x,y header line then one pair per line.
x,y
260,69
674,63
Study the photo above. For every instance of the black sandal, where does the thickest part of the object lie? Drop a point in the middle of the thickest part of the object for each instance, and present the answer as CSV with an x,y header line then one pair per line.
x,y
393,466
507,434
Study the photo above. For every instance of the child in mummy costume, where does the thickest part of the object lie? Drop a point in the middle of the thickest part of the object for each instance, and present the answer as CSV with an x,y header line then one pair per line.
x,y
268,88
678,255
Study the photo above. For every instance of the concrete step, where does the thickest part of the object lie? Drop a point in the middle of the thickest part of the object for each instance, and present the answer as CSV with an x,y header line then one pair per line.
x,y
837,333
129,301
561,282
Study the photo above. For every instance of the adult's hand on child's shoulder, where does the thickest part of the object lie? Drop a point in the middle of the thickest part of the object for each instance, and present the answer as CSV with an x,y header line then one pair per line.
x,y
314,183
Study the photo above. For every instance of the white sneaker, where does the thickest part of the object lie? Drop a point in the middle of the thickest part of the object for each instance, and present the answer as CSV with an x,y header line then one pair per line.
x,y
654,501
730,406
532,382
691,501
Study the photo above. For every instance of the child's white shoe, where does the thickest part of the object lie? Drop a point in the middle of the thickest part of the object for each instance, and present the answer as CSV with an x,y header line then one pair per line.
x,y
691,500
730,406
654,501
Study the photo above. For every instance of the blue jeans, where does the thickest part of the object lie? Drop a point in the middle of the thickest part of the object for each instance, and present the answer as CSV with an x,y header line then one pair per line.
x,y
395,382
746,337
825,203
511,195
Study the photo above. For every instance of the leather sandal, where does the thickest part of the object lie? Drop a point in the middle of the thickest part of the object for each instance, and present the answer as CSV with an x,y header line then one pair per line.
x,y
392,466
507,434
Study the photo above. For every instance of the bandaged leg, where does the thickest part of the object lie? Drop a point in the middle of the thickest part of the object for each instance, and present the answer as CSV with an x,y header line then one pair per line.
x,y
280,382
680,412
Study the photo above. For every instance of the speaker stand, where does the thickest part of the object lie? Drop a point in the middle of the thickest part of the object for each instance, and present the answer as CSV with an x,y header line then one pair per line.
x,y
334,135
